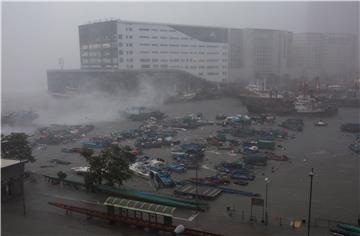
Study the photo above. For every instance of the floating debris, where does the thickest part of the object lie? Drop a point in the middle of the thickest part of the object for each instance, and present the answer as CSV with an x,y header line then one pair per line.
x,y
57,134
60,162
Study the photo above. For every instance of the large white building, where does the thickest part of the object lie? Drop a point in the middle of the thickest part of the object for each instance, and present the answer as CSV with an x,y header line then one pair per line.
x,y
258,53
324,55
117,44
216,54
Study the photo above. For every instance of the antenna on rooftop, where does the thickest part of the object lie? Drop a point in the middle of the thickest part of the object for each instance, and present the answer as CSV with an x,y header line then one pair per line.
x,y
61,63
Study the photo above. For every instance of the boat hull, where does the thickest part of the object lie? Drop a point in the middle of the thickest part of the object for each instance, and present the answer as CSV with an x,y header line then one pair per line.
x,y
281,107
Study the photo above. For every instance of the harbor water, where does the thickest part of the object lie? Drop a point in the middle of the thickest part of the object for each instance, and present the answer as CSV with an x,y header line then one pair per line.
x,y
335,186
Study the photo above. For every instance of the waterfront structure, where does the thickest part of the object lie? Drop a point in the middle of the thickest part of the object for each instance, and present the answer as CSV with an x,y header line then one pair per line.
x,y
118,51
127,45
324,55
255,54
12,172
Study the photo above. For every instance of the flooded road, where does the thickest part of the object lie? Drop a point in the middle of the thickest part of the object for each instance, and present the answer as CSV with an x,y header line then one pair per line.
x,y
335,186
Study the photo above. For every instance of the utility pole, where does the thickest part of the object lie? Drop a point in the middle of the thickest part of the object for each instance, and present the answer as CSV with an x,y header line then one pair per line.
x,y
23,194
196,186
197,193
267,181
311,174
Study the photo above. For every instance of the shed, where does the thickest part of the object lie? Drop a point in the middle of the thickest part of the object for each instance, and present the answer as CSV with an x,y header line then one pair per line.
x,y
137,209
12,173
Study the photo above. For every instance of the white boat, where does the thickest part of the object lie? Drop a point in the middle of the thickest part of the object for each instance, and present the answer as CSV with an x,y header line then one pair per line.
x,y
321,123
81,170
142,168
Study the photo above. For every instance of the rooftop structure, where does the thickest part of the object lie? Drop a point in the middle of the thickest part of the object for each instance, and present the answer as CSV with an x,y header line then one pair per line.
x,y
7,162
140,206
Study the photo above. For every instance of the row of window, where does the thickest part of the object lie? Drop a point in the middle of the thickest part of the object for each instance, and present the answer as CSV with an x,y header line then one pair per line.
x,y
173,45
174,52
155,30
96,54
121,52
148,66
100,66
148,37
97,46
183,60
171,60
99,60
126,36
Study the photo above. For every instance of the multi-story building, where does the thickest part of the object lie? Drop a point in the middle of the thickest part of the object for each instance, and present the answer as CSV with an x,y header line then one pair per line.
x,y
121,51
127,45
257,53
324,55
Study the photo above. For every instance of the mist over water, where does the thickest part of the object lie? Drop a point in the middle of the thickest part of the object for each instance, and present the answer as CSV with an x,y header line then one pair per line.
x,y
80,107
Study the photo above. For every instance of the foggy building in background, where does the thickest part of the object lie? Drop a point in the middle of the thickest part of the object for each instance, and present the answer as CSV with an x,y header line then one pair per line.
x,y
127,51
257,53
324,55
126,45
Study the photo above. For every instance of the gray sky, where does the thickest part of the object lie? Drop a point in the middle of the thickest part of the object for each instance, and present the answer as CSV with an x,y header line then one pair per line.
x,y
35,35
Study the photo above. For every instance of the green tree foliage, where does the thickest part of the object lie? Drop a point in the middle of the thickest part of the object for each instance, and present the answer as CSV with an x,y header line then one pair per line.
x,y
15,146
62,175
110,165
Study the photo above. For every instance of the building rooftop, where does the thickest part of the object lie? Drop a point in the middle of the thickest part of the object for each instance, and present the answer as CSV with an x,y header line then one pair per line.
x,y
8,162
140,206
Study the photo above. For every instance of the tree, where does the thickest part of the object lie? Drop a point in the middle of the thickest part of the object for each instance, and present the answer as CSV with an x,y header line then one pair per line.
x,y
62,175
111,165
16,146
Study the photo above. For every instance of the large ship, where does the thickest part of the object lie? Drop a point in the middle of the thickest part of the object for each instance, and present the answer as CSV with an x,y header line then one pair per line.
x,y
303,106
268,105
263,101
307,105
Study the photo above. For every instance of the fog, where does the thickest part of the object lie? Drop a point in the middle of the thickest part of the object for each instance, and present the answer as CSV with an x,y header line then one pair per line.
x,y
83,107
36,35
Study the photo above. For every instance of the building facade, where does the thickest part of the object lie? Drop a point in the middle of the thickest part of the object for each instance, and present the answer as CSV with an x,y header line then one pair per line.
x,y
201,51
216,54
324,55
258,53
12,177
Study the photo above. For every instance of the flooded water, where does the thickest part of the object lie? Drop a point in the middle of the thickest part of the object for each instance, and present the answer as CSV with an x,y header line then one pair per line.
x,y
336,168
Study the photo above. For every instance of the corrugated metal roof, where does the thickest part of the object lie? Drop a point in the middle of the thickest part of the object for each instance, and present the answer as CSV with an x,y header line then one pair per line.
x,y
140,206
8,162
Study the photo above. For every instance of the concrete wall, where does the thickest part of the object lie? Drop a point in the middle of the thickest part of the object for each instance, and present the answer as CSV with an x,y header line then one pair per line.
x,y
11,181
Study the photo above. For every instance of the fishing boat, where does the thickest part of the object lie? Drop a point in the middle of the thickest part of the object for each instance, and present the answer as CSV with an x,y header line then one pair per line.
x,y
142,167
161,178
355,147
241,183
81,170
350,127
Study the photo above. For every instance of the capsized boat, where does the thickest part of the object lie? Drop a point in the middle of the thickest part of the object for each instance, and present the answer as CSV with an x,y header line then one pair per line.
x,y
143,166
161,178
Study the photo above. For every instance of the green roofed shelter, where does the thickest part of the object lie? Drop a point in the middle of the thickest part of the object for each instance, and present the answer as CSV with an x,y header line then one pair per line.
x,y
140,206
